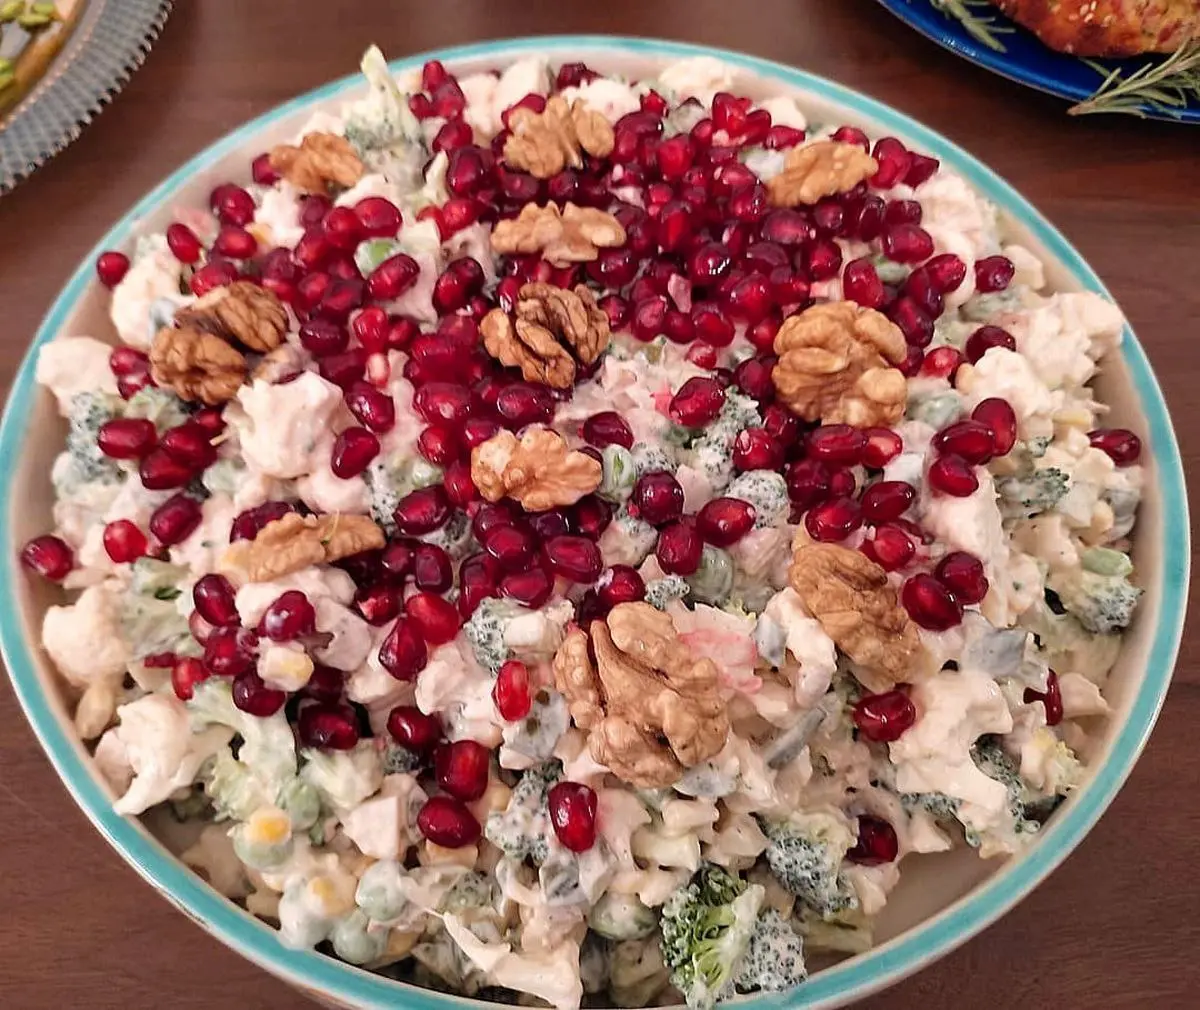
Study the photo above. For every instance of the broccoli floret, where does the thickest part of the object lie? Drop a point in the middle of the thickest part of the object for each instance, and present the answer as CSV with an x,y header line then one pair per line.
x,y
621,917
713,450
990,758
522,829
485,631
1101,603
86,414
234,790
660,592
805,854
774,961
391,478
938,805
383,119
937,410
471,890
706,931
399,760
1032,493
766,491
648,458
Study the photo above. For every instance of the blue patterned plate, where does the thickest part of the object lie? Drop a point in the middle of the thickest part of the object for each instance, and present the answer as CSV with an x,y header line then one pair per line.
x,y
105,47
1025,59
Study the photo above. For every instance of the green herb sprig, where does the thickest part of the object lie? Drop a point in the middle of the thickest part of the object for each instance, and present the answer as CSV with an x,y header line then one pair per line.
x,y
1166,87
982,28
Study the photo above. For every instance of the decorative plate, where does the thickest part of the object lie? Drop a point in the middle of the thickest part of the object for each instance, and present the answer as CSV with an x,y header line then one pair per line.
x,y
1027,61
62,74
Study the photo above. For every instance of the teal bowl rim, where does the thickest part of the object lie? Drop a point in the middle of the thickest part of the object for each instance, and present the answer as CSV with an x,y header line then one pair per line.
x,y
850,980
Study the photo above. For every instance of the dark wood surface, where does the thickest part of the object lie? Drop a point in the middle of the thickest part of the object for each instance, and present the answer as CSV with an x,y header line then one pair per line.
x,y
1116,928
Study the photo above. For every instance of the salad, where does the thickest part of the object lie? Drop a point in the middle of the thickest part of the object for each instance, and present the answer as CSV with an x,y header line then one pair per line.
x,y
554,537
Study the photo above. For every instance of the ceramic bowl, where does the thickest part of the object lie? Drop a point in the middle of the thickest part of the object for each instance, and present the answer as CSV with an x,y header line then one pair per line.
x,y
942,900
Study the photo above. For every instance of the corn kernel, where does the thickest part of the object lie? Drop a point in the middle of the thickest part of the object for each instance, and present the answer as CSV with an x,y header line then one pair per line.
x,y
432,854
284,668
268,826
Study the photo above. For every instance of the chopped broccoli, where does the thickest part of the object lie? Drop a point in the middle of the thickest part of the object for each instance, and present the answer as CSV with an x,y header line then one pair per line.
x,y
706,931
712,451
990,758
485,631
660,592
471,890
522,829
1032,493
1102,603
382,128
648,458
268,746
621,917
398,760
86,414
805,854
937,410
774,961
939,806
233,789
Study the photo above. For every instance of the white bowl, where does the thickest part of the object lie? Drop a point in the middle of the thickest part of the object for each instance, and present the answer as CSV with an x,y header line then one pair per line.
x,y
941,901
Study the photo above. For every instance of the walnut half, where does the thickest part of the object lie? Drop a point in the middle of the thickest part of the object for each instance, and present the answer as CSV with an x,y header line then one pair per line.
x,y
320,159
651,707
856,605
835,365
823,168
547,318
196,365
241,311
544,143
572,235
294,542
539,471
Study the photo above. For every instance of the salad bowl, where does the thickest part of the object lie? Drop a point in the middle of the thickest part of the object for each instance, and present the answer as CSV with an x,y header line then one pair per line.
x,y
940,901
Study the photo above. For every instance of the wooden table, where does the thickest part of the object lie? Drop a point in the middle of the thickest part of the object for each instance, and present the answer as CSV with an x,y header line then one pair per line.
x,y
1116,928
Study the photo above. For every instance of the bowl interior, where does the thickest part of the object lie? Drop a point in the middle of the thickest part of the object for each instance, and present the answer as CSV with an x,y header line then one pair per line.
x,y
939,902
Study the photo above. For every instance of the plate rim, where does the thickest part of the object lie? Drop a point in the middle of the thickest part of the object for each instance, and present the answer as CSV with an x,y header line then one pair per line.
x,y
927,22
836,986
90,77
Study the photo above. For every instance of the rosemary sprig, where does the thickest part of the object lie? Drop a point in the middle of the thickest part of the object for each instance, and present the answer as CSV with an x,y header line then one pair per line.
x,y
1166,87
982,29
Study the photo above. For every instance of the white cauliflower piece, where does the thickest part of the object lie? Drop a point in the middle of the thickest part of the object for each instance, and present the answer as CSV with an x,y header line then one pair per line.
x,y
698,77
480,114
324,491
280,428
612,99
352,636
384,826
530,76
155,274
948,202
806,640
317,584
785,112
278,215
84,638
1081,697
1015,378
1028,268
70,365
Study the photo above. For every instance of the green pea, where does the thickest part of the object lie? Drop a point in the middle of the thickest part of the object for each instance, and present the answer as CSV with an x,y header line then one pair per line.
x,y
1106,561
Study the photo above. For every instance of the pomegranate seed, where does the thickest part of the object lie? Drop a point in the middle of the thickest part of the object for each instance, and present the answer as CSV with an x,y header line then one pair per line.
x,y
378,604
921,288
290,616
679,549
962,574
325,684
235,243
432,570
353,451
553,523
649,315
902,212
230,651
930,603
470,170
781,424
894,163
313,208
183,243
722,522
607,428
972,440
573,815
476,580
454,133
787,228
877,842
212,596
657,498
861,284
128,361
398,558
511,691
780,138
571,75
907,243
890,548
590,516
622,584
1051,699
883,445
522,403
985,338
190,444
246,525
888,499
914,321
126,438
251,695
823,259
753,377
49,556
342,298
841,482
439,444
574,558
413,730
852,135
422,511
232,204
808,483
749,299
947,272
445,402
123,541
833,520
373,407
111,268
993,273
457,483
393,277
698,402
837,443
456,285
942,363
371,327
511,546
675,156
185,675
531,588
212,275
1001,421
711,325
447,822
434,617
345,369
328,727
175,519
885,717
954,476
708,263
1121,445
617,309
403,653
865,220
462,767
491,516
922,170
762,334
377,217
757,449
